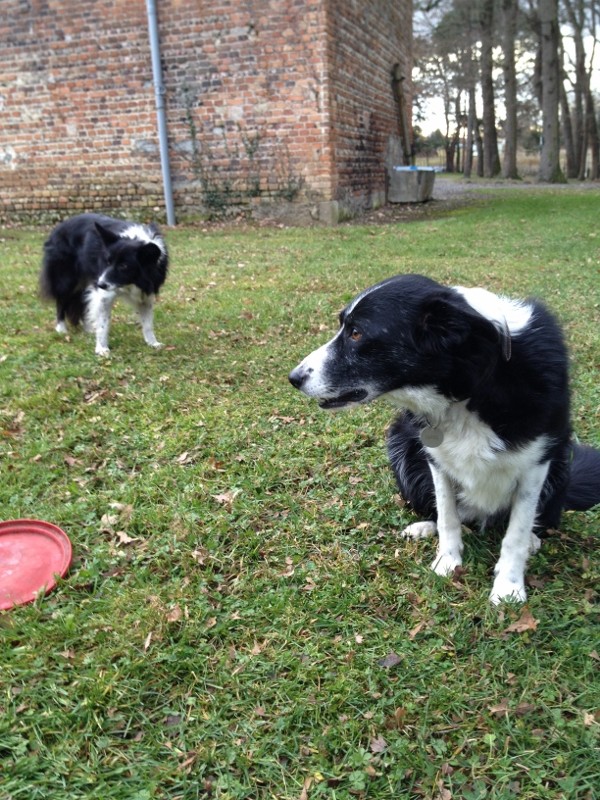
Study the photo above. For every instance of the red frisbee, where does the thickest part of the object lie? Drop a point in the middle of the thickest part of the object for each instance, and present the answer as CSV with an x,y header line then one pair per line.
x,y
33,555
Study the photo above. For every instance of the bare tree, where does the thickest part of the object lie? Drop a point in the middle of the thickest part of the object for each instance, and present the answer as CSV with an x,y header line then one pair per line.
x,y
509,33
571,156
491,159
550,170
581,18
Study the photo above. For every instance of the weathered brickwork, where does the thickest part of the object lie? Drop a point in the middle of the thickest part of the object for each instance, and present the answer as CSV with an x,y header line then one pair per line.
x,y
267,100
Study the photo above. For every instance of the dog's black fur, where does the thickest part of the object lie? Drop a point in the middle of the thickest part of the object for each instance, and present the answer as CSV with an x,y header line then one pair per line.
x,y
90,259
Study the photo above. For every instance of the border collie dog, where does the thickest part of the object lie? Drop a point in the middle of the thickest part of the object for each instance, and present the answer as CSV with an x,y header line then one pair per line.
x,y
90,260
484,437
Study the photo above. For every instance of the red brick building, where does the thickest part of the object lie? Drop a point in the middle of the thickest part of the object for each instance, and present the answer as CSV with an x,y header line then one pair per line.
x,y
267,102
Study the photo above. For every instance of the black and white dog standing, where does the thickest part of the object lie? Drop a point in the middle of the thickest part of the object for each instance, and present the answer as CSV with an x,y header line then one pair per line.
x,y
485,435
90,260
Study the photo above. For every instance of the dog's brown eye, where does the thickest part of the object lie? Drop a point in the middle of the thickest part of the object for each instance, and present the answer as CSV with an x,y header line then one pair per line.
x,y
355,334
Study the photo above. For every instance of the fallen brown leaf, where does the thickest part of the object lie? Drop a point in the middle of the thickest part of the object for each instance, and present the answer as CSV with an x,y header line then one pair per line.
x,y
526,622
225,498
174,614
307,784
378,744
390,661
396,720
417,629
500,709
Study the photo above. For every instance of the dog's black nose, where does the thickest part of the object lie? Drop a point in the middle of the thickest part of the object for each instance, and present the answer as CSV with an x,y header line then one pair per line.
x,y
296,377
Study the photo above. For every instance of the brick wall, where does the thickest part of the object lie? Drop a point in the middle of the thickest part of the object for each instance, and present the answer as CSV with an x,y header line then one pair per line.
x,y
267,101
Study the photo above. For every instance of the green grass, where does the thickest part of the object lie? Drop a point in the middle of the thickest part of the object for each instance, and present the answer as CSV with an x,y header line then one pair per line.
x,y
242,619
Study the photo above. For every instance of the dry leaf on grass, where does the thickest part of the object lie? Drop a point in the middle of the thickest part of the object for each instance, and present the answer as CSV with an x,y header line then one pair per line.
x,y
390,661
174,614
417,629
307,784
378,744
500,709
526,622
226,498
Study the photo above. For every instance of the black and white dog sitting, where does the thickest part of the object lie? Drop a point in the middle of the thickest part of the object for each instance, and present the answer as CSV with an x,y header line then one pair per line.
x,y
485,437
90,260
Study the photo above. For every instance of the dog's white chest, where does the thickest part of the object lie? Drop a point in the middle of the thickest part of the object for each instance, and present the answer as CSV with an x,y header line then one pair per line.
x,y
484,471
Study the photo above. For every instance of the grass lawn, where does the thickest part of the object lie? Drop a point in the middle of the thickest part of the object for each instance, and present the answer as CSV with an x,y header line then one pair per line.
x,y
242,619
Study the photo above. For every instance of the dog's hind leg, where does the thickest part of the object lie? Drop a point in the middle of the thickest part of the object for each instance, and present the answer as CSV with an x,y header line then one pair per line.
x,y
61,321
420,530
411,469
413,475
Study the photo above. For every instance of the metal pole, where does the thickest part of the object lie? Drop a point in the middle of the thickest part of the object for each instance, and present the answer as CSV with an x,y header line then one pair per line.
x,y
159,94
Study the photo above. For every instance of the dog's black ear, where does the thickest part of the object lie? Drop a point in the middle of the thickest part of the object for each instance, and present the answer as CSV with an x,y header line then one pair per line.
x,y
444,324
108,237
149,254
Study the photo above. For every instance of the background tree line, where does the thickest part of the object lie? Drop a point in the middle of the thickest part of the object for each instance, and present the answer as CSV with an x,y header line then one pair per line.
x,y
515,72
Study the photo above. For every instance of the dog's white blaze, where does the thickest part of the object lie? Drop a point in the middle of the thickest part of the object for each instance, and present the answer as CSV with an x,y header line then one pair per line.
x,y
515,313
361,296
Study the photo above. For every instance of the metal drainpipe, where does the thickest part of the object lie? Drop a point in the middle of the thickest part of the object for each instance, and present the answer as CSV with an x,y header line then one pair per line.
x,y
159,94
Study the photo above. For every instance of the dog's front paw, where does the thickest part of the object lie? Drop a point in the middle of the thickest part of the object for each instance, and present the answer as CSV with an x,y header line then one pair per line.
x,y
419,530
61,327
506,588
445,563
156,345
102,351
534,544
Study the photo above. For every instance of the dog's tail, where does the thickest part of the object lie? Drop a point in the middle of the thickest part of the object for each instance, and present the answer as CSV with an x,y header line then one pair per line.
x,y
45,284
60,285
583,491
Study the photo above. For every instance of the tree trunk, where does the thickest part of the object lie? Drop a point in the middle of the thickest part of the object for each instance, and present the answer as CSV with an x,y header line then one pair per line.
x,y
479,145
471,125
595,148
584,141
567,131
592,136
491,166
550,170
576,15
509,32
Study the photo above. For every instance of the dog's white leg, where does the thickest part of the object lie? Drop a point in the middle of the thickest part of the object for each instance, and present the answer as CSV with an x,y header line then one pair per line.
x,y
519,540
450,545
61,326
98,311
146,313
